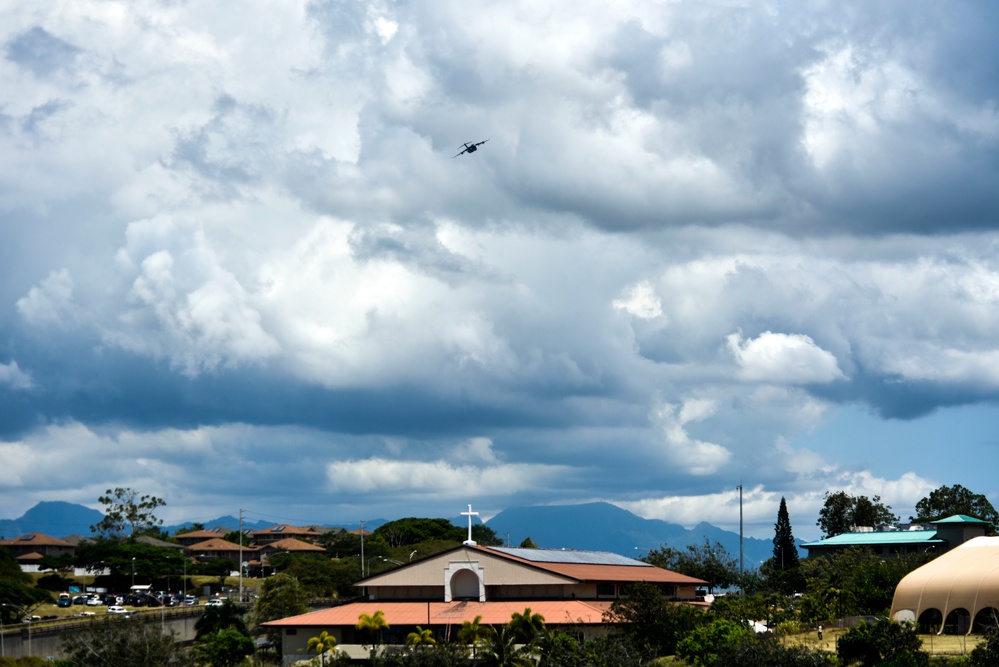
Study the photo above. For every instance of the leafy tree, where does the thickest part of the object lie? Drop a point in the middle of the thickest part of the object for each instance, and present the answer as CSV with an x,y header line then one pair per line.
x,y
373,625
883,643
420,637
59,562
226,648
221,568
323,577
280,596
127,514
950,500
528,543
855,581
238,537
650,623
562,650
403,532
340,544
486,536
321,644
111,640
986,654
218,618
710,562
193,528
841,512
701,646
16,588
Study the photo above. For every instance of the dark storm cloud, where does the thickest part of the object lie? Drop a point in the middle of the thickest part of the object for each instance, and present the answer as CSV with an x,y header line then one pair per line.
x,y
239,254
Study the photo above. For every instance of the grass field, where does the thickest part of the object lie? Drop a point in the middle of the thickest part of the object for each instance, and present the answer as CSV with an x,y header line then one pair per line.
x,y
932,644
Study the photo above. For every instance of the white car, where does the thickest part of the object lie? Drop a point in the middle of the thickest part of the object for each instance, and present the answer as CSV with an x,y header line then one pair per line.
x,y
217,602
115,609
94,602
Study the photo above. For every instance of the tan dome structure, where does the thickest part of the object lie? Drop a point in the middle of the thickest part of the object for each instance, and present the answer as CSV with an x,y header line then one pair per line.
x,y
956,593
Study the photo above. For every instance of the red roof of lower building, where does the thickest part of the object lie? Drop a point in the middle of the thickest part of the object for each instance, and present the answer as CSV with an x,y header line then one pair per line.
x,y
555,612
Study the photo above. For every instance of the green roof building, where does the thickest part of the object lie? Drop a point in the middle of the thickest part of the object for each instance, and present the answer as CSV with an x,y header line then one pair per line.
x,y
944,535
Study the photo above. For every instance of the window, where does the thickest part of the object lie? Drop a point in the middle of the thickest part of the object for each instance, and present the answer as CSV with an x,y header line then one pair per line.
x,y
605,590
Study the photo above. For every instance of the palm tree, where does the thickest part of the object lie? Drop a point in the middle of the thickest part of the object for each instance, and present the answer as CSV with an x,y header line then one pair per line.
x,y
473,632
373,623
503,650
421,637
324,642
527,626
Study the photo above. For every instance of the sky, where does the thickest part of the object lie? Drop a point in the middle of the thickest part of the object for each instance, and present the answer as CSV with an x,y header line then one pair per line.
x,y
707,245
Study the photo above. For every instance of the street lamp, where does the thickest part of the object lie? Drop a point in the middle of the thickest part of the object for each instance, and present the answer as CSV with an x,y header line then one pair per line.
x,y
133,574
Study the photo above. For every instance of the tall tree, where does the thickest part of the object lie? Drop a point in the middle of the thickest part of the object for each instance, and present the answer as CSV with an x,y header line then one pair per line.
x,y
950,500
127,514
841,512
782,573
785,550
280,596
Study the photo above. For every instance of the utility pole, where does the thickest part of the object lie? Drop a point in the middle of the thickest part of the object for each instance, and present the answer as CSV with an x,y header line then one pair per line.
x,y
362,549
240,556
741,582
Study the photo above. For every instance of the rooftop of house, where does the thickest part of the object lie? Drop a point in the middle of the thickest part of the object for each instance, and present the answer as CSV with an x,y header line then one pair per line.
x,y
35,539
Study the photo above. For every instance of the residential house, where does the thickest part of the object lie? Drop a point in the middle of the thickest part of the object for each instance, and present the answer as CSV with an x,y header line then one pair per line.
x,y
284,531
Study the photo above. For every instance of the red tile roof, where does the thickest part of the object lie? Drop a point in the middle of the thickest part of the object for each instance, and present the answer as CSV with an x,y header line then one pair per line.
x,y
603,572
555,612
291,544
35,538
217,544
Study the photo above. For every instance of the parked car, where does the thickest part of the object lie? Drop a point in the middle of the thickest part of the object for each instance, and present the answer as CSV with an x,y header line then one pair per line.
x,y
115,609
216,602
65,600
95,601
80,599
190,599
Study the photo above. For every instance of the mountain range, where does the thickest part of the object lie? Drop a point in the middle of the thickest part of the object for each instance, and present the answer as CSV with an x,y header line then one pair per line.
x,y
591,527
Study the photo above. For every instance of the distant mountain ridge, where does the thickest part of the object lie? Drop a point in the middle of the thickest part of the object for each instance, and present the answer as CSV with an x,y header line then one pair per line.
x,y
602,526
55,518
596,526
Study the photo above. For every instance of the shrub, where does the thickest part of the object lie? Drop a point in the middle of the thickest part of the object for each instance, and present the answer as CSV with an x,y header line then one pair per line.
x,y
882,644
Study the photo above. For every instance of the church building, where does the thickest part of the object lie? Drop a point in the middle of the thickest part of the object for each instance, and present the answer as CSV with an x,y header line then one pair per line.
x,y
571,589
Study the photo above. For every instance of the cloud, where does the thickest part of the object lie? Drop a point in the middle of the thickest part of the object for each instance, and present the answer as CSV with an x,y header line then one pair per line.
x,y
783,358
12,376
698,236
436,479
694,456
641,301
